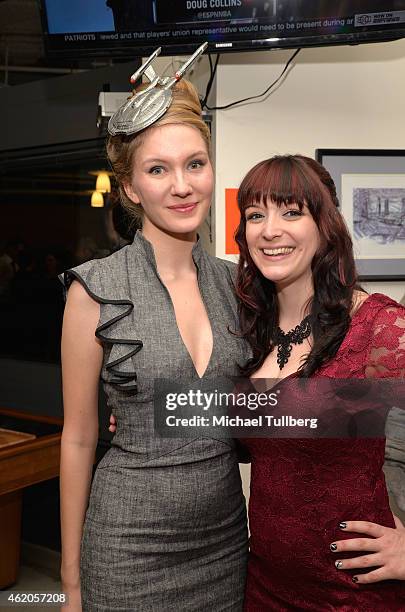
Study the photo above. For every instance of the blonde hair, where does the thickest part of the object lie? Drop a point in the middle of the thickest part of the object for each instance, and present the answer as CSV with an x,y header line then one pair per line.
x,y
185,109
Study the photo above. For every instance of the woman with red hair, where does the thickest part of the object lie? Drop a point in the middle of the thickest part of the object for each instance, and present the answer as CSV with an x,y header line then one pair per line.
x,y
305,316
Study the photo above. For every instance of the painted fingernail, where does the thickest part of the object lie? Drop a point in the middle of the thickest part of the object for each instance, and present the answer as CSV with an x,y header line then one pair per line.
x,y
355,579
342,525
333,547
338,564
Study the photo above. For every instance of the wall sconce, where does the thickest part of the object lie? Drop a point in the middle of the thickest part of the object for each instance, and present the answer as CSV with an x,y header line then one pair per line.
x,y
97,200
103,183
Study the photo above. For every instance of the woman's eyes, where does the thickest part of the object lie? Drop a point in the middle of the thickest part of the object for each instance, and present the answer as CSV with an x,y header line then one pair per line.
x,y
295,212
289,214
193,165
196,163
254,216
156,170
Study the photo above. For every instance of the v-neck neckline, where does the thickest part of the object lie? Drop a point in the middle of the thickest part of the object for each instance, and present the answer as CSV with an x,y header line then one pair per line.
x,y
197,255
187,352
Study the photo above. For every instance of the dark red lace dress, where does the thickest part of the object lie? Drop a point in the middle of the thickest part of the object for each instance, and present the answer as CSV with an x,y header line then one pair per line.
x,y
301,489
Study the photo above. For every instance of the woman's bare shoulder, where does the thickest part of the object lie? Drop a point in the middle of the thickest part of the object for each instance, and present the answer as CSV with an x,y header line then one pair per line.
x,y
78,296
82,313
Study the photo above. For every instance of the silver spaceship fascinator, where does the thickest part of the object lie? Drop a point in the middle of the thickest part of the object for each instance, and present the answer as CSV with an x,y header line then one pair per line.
x,y
148,105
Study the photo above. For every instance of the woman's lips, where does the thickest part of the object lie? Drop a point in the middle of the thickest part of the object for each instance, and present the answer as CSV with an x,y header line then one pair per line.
x,y
184,208
277,255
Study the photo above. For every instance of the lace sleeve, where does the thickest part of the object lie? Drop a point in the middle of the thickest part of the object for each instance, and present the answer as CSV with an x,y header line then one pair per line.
x,y
386,359
386,355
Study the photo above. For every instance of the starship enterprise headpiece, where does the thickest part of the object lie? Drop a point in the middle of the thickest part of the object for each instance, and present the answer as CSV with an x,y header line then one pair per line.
x,y
148,105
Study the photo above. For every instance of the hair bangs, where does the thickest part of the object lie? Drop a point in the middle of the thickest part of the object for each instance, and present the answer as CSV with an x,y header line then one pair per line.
x,y
282,180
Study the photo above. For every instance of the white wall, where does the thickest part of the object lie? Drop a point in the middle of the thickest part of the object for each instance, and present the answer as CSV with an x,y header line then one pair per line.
x,y
336,97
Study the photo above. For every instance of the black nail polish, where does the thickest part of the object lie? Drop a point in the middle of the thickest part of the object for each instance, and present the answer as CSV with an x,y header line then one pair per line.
x,y
338,564
355,579
342,525
333,547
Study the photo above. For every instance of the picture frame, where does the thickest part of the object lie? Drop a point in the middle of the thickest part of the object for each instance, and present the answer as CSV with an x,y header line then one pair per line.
x,y
370,185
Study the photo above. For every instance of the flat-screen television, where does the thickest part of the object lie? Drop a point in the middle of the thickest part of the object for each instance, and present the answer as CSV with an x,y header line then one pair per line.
x,y
124,28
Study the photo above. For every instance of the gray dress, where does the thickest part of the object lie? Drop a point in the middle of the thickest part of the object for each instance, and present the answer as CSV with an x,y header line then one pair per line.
x,y
165,528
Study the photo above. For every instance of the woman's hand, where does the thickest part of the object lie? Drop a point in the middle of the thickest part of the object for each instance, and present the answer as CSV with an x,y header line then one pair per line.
x,y
384,550
113,424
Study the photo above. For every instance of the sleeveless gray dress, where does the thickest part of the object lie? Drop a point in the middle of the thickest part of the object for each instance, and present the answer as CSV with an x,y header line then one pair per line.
x,y
165,528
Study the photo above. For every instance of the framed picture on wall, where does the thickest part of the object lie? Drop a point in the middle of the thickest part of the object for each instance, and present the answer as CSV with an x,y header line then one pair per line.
x,y
370,185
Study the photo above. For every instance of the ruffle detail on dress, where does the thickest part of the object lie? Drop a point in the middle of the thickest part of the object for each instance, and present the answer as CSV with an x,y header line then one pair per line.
x,y
114,328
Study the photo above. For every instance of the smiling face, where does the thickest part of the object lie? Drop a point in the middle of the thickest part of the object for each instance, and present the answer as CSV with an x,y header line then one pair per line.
x,y
282,240
172,179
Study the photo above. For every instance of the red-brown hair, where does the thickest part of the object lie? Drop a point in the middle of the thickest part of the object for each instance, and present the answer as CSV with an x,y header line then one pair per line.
x,y
303,181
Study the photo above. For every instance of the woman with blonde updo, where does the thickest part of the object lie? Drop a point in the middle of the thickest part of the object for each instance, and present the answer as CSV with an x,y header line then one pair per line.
x,y
164,526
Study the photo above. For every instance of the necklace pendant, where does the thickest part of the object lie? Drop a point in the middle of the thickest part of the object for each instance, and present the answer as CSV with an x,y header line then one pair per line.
x,y
283,354
285,341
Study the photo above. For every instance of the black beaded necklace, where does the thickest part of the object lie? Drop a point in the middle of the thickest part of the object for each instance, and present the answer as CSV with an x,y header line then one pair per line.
x,y
284,341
